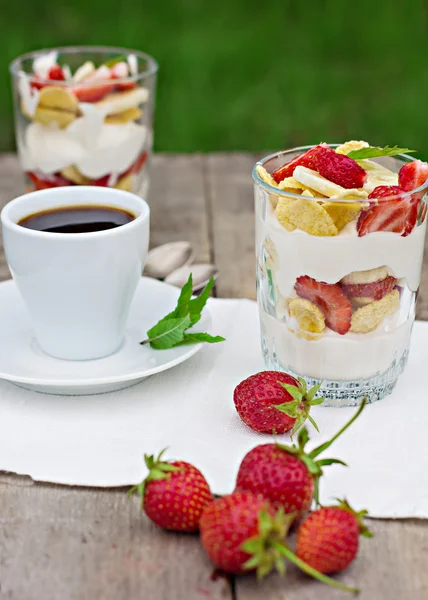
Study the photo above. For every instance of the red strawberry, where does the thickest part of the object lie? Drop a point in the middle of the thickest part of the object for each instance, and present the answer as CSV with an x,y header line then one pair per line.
x,y
412,175
241,533
339,169
274,402
307,159
287,476
101,181
93,93
330,299
138,164
44,182
328,538
398,215
56,73
376,290
173,495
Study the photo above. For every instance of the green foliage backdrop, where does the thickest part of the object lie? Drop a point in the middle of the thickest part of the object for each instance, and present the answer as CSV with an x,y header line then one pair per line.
x,y
251,75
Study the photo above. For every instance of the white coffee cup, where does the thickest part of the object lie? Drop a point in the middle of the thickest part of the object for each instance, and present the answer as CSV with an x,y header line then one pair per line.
x,y
77,287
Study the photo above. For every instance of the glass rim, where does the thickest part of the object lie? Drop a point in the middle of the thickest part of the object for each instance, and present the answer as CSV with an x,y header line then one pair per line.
x,y
152,64
274,190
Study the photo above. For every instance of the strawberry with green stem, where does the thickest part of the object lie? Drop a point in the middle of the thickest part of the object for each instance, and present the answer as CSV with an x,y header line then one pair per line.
x,y
242,532
328,538
275,402
288,476
173,495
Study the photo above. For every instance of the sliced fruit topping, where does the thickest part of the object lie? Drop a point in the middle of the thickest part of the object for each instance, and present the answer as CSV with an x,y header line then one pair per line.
x,y
377,175
56,73
339,169
44,182
350,146
73,174
308,316
265,176
56,105
93,93
369,276
330,299
398,215
412,175
84,71
307,159
368,318
375,290
306,215
313,180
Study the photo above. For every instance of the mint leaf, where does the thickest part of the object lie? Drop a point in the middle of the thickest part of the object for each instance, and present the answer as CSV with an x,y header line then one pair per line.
x,y
197,305
167,333
171,330
376,151
113,61
197,338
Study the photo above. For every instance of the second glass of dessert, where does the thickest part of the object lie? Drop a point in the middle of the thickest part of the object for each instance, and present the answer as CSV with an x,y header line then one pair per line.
x,y
84,116
339,239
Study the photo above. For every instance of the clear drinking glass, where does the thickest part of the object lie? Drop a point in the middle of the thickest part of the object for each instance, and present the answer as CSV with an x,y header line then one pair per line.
x,y
84,116
367,359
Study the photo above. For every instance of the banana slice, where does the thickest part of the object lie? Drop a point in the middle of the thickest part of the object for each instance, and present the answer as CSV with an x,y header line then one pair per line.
x,y
368,318
289,184
124,183
347,147
377,175
56,105
306,215
308,316
265,176
132,114
369,276
313,180
84,71
118,102
73,174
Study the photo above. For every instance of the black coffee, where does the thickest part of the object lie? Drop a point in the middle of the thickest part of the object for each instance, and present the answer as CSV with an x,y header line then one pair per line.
x,y
77,219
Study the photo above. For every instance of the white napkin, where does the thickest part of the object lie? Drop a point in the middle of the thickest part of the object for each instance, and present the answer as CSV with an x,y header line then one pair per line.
x,y
99,440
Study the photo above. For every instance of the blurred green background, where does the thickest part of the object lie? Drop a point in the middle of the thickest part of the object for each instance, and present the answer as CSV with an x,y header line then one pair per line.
x,y
251,75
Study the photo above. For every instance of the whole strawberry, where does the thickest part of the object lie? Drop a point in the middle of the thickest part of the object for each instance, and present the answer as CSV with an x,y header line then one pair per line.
x,y
328,538
274,402
242,532
287,476
173,495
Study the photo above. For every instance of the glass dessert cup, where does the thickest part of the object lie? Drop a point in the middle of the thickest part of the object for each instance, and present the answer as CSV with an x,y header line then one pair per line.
x,y
84,116
335,308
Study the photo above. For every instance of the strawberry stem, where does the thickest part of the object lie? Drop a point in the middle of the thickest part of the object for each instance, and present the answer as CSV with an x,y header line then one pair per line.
x,y
287,553
316,451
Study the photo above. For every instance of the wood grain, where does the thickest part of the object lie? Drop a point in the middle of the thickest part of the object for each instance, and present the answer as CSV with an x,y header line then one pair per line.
x,y
59,543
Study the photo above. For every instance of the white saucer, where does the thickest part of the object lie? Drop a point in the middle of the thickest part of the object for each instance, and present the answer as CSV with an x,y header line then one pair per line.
x,y
25,364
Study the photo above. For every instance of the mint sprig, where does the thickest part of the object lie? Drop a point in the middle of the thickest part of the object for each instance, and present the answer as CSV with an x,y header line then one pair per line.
x,y
377,151
172,330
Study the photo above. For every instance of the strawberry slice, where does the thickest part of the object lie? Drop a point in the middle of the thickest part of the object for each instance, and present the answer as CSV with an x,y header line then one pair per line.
x,y
93,93
307,159
412,175
44,182
376,290
339,169
398,215
138,164
102,181
330,299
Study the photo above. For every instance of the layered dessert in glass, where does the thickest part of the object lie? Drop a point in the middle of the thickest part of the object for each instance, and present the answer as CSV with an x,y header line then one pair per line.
x,y
84,116
339,240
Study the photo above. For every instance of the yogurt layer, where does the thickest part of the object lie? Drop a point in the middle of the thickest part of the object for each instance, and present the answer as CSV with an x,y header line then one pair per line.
x,y
329,259
112,148
337,358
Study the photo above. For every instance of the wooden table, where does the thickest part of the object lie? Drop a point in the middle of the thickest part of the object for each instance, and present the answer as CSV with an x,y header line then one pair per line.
x,y
61,543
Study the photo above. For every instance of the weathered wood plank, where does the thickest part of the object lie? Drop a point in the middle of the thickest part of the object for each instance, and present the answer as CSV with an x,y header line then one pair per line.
x,y
230,196
390,565
64,543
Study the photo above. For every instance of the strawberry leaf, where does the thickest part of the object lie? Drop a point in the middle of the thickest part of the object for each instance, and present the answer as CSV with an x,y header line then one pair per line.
x,y
377,151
